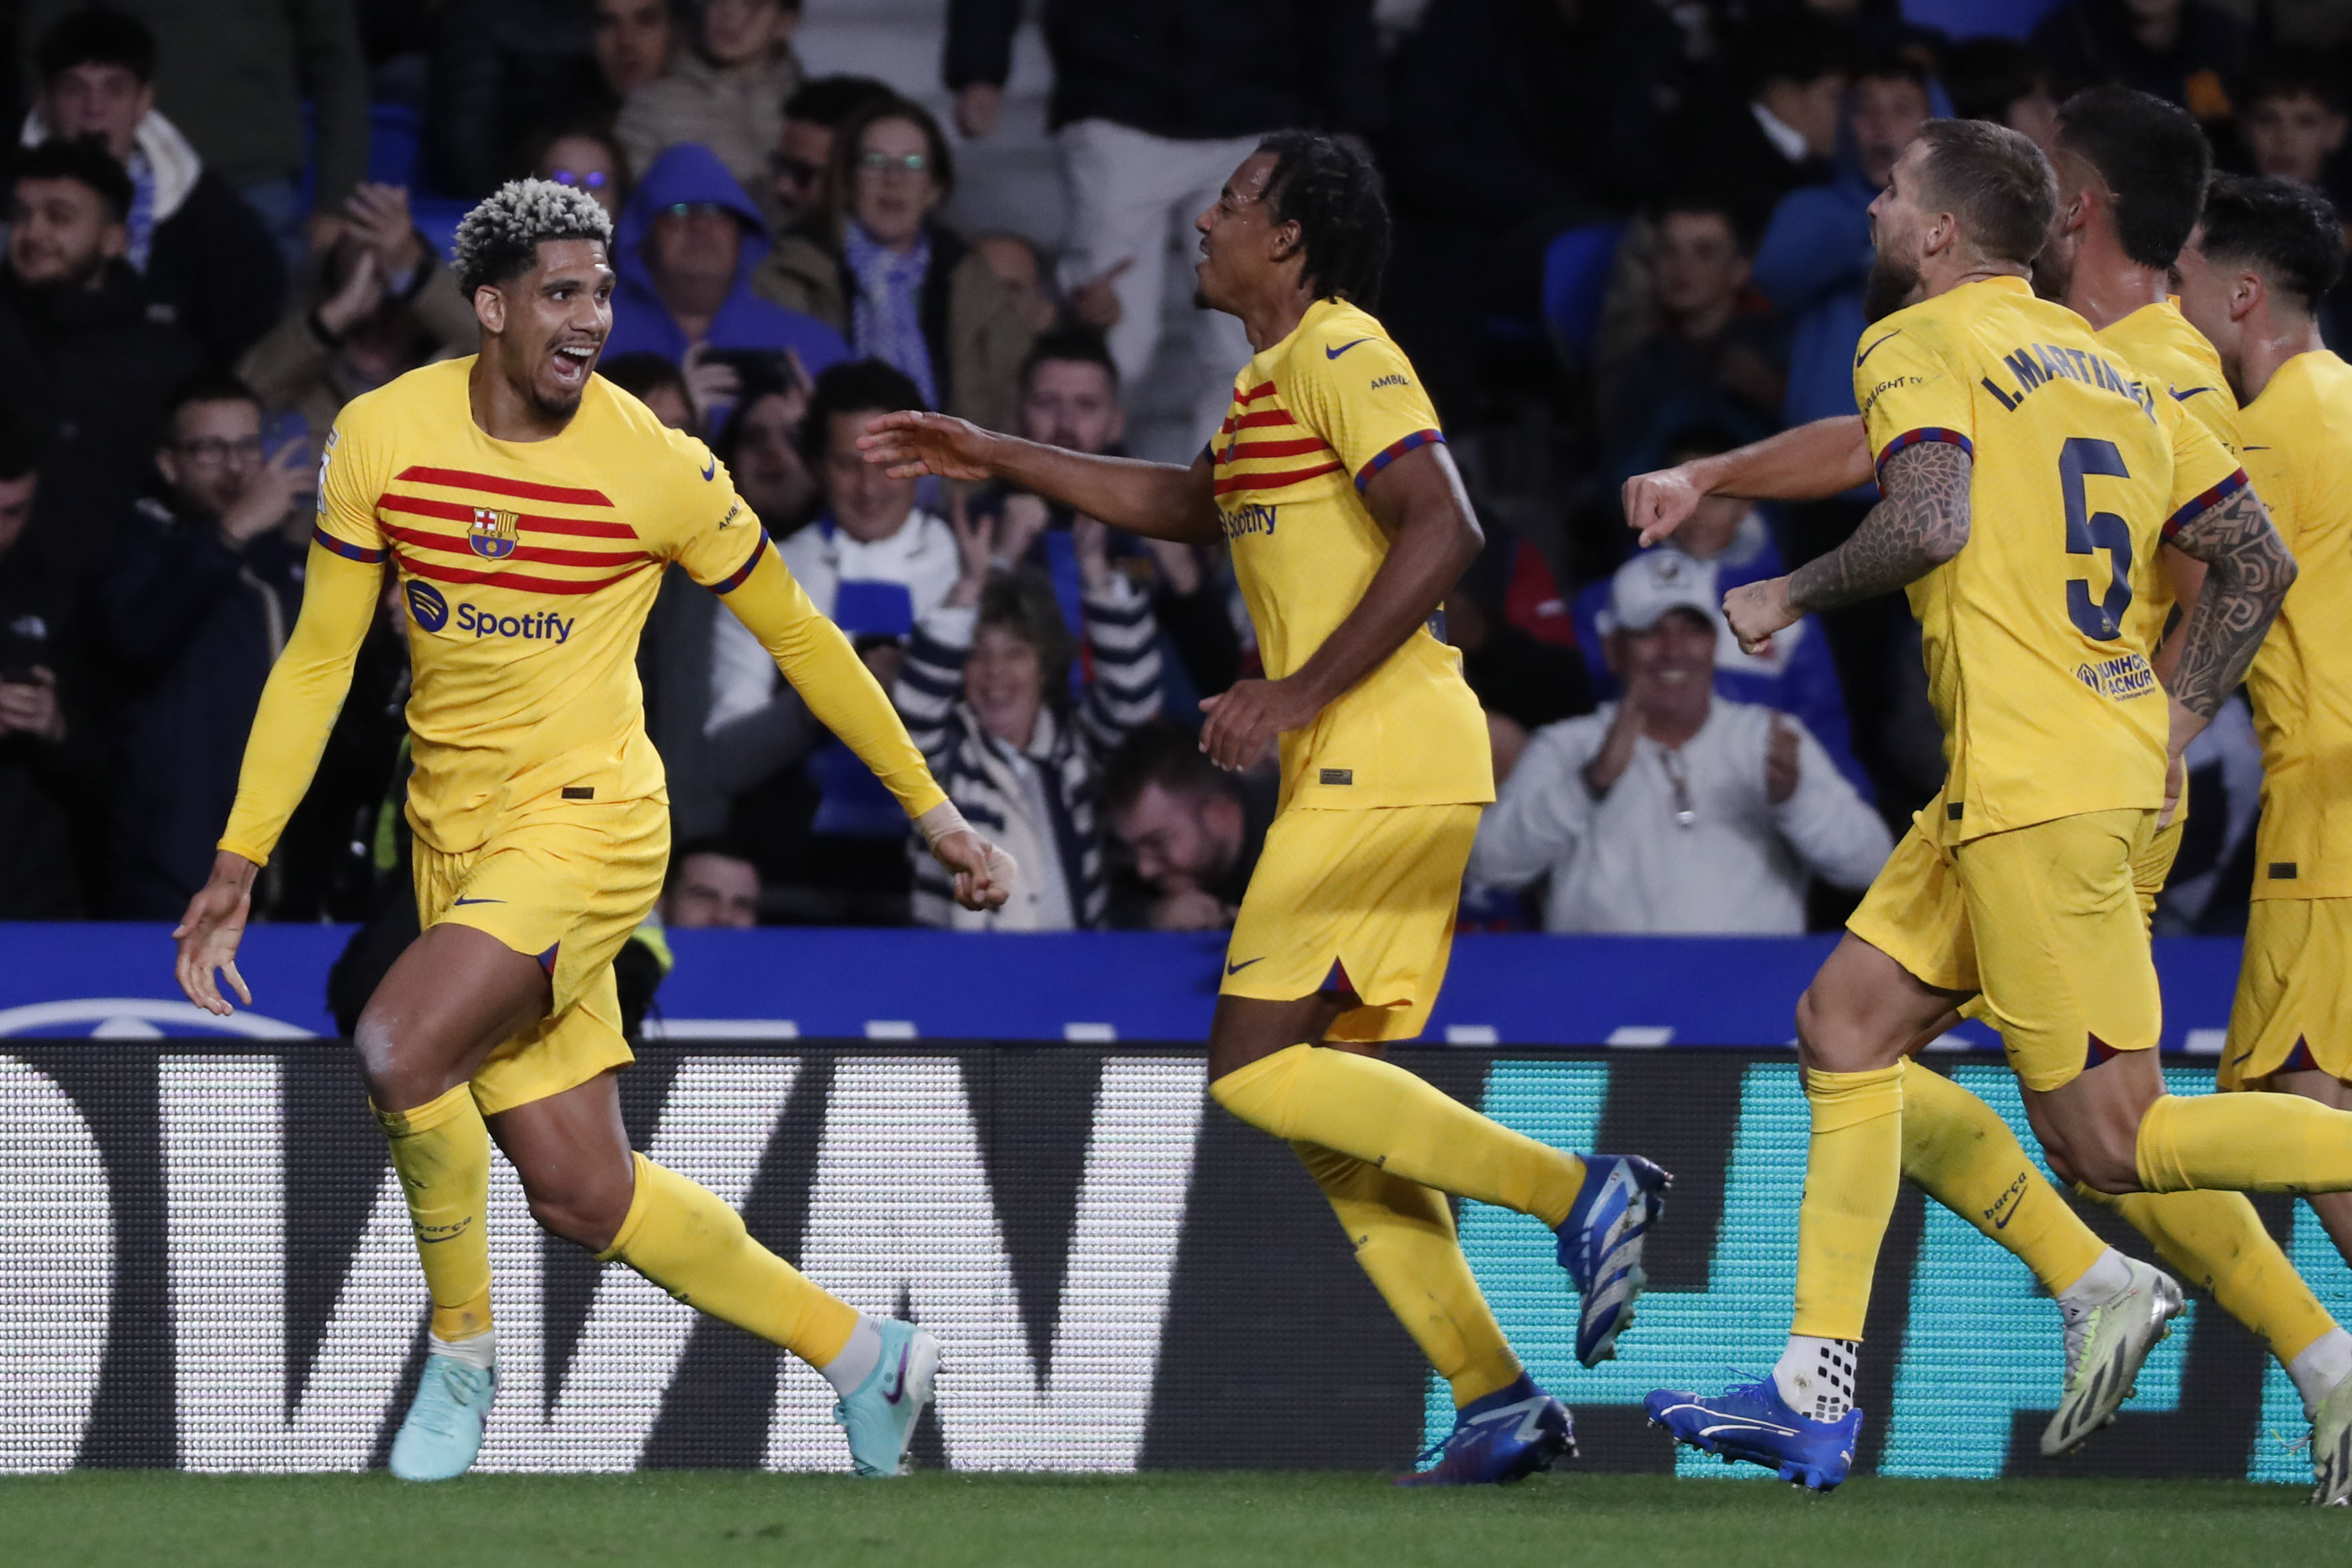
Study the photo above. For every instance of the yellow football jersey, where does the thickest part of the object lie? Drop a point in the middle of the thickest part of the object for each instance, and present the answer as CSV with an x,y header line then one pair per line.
x,y
1313,419
527,569
2299,449
2157,341
2048,702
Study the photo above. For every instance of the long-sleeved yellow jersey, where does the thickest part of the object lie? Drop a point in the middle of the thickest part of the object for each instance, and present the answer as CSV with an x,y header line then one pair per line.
x,y
526,571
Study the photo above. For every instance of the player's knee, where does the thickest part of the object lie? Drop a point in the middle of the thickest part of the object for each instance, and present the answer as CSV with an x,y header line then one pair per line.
x,y
583,1208
2105,1162
380,1058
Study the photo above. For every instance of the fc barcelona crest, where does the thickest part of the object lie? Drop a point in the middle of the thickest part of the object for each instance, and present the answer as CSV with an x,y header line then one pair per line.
x,y
493,533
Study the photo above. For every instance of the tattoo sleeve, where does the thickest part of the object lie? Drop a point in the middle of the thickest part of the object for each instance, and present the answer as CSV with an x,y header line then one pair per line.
x,y
1921,523
2248,572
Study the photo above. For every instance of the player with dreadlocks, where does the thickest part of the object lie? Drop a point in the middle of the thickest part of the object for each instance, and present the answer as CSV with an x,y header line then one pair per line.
x,y
1348,525
529,508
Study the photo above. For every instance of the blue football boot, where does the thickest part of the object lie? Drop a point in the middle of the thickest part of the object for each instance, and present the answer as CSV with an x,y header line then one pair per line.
x,y
1753,1423
1600,1245
444,1428
881,1413
1508,1435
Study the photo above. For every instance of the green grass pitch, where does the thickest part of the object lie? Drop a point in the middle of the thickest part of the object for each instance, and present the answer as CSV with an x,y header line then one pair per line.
x,y
1283,1521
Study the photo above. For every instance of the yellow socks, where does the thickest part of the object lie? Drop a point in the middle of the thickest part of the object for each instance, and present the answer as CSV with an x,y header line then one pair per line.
x,y
1384,1115
1852,1171
1403,1236
2244,1143
683,1238
441,1150
2216,1241
1965,1158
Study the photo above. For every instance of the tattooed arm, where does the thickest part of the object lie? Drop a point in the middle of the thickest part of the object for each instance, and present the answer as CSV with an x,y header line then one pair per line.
x,y
2247,573
1921,524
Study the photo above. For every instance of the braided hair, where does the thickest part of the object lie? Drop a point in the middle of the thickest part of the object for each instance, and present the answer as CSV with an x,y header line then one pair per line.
x,y
1333,194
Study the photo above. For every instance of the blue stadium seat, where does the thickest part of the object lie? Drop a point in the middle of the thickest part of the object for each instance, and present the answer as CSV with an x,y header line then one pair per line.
x,y
395,142
437,219
1575,280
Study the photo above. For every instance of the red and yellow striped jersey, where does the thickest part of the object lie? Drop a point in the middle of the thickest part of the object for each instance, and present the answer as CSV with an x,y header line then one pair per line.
x,y
1313,419
526,571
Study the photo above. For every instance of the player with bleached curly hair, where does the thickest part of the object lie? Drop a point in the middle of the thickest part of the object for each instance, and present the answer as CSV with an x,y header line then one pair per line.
x,y
529,508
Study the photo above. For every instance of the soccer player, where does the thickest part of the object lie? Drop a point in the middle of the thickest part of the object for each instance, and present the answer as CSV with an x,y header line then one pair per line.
x,y
2266,254
1349,524
1983,402
529,507
2131,173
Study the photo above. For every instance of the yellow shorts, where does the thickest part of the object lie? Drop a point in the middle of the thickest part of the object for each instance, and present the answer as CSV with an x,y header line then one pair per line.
x,y
2044,921
565,886
2151,869
1358,901
2291,1012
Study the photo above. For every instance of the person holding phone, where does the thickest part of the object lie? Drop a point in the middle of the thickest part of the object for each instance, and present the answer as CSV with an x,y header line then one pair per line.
x,y
45,768
197,608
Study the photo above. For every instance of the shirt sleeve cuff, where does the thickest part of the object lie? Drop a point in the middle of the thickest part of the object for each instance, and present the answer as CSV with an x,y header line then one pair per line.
x,y
1916,437
2205,503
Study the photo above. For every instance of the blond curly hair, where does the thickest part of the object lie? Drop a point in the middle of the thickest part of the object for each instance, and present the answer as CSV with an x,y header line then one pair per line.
x,y
499,239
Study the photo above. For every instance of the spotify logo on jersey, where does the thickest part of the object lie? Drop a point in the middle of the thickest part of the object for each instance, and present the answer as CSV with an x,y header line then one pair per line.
x,y
424,602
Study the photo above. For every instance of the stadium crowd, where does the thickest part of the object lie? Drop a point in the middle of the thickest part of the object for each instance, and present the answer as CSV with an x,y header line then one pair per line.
x,y
1627,232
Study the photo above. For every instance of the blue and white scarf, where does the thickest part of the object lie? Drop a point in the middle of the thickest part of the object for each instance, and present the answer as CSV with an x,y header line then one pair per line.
x,y
886,320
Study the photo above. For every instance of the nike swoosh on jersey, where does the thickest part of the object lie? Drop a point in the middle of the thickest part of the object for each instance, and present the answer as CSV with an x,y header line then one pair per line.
x,y
2192,391
1335,353
2253,449
459,901
1875,348
710,468
1237,968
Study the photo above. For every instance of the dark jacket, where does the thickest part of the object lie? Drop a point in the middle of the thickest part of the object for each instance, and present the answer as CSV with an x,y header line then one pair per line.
x,y
192,628
503,71
1716,149
1505,109
690,172
971,322
1190,70
48,789
93,370
215,267
211,266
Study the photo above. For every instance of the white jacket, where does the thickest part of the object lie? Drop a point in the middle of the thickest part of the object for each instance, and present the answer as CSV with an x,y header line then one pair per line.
x,y
1624,863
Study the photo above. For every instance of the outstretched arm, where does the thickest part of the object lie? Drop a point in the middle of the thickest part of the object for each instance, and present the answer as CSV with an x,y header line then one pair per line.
x,y
1159,500
1810,463
2247,573
848,700
299,704
1921,523
1419,502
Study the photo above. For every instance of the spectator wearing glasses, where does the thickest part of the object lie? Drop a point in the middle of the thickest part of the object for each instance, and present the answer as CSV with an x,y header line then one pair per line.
x,y
585,159
726,93
79,357
205,256
800,169
905,288
1672,809
686,248
205,586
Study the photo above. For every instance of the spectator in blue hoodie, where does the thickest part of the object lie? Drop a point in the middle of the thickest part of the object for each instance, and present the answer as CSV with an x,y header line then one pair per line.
x,y
1816,252
685,249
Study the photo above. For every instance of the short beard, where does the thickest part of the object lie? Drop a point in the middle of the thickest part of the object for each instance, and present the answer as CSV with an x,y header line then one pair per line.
x,y
1889,289
2053,275
554,408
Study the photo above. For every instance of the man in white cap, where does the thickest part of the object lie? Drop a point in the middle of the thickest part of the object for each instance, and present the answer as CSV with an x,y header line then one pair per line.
x,y
1674,809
